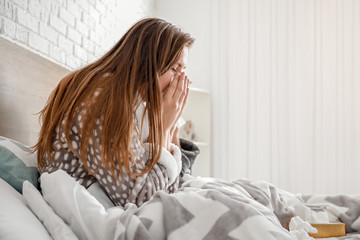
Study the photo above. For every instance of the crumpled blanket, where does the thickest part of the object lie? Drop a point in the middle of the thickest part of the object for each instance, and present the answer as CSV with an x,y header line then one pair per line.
x,y
203,208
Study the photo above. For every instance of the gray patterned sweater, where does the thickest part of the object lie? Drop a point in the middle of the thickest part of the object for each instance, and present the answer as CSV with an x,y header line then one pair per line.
x,y
165,174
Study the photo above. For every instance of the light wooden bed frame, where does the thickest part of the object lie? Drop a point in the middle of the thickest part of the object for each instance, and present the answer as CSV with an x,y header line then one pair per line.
x,y
26,81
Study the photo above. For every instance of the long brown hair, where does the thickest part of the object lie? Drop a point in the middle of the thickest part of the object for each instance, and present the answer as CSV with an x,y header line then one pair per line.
x,y
128,71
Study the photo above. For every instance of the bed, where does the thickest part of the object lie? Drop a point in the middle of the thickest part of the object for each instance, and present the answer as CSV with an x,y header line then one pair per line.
x,y
204,208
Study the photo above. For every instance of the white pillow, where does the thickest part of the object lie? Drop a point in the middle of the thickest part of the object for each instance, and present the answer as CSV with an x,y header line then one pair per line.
x,y
16,219
78,208
53,223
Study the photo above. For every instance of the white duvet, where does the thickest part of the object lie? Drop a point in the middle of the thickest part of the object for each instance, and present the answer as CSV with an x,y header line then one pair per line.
x,y
204,208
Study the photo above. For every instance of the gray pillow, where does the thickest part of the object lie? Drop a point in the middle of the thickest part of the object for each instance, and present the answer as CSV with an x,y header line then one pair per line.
x,y
17,164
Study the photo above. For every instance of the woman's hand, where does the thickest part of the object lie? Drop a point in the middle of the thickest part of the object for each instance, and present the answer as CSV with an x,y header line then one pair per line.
x,y
174,100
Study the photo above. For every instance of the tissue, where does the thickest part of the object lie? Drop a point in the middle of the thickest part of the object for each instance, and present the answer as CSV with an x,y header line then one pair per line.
x,y
299,229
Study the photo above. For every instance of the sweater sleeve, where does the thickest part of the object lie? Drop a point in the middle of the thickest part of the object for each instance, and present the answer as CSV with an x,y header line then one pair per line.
x,y
123,188
189,152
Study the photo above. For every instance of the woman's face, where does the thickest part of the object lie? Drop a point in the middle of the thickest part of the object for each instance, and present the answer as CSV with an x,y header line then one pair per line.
x,y
165,79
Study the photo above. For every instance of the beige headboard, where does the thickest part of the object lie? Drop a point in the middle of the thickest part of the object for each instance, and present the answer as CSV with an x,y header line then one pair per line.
x,y
26,80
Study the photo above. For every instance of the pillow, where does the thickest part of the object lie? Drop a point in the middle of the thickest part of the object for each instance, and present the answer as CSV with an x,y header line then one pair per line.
x,y
85,215
52,222
17,164
16,219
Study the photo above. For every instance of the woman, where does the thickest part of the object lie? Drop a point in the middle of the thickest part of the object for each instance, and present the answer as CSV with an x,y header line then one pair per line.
x,y
114,121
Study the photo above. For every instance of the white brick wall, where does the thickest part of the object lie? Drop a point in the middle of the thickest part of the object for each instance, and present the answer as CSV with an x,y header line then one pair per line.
x,y
71,33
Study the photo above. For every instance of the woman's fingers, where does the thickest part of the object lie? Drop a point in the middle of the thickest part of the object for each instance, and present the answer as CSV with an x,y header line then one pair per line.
x,y
173,86
180,86
183,94
184,100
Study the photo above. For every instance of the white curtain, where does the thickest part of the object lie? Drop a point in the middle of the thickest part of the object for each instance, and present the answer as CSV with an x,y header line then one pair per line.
x,y
286,93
